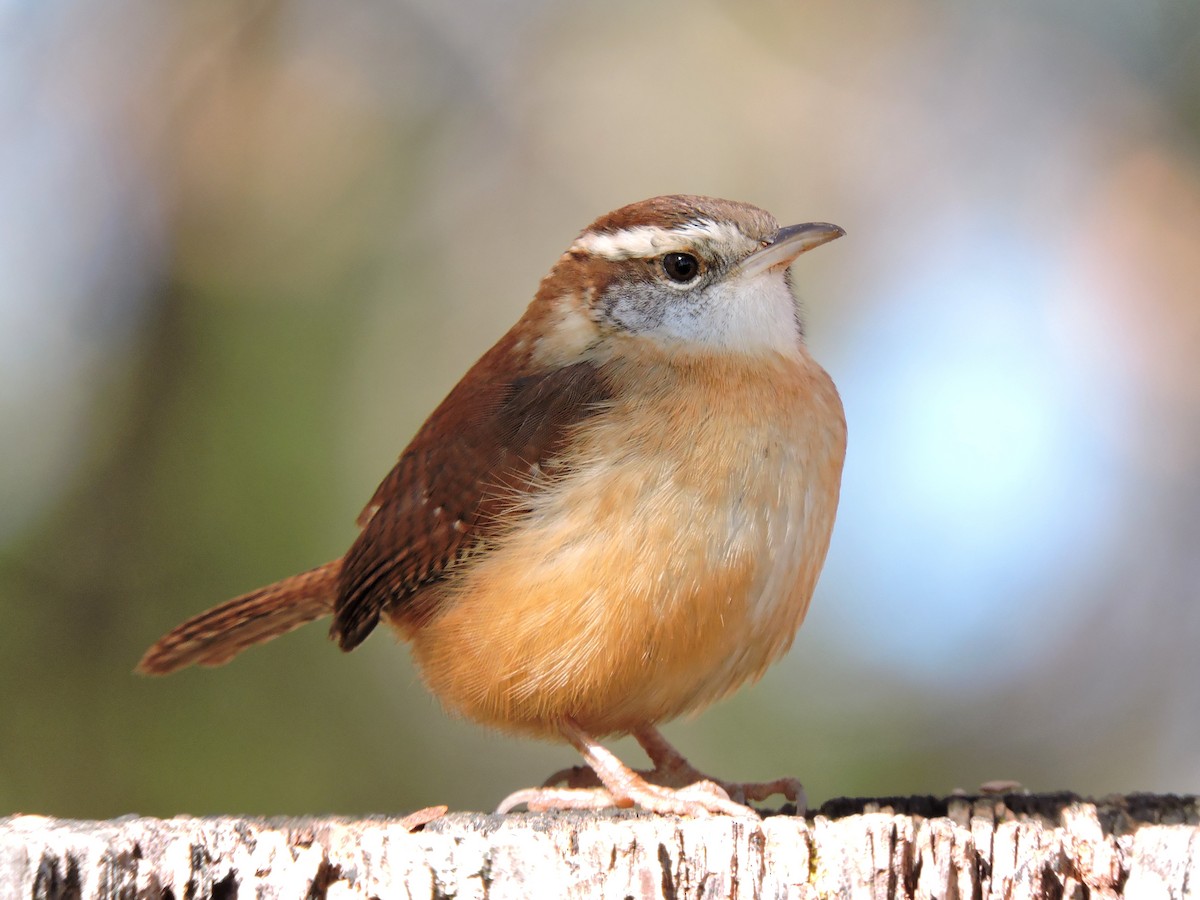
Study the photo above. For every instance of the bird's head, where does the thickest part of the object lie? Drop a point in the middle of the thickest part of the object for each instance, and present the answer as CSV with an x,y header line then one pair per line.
x,y
683,272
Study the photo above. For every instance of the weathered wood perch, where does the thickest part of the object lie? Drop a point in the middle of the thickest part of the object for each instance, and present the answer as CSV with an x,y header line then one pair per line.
x,y
1014,846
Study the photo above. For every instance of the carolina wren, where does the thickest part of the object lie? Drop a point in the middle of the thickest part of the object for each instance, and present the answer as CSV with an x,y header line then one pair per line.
x,y
617,516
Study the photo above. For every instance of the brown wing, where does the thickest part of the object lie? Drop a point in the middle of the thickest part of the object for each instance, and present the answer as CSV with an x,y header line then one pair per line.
x,y
477,450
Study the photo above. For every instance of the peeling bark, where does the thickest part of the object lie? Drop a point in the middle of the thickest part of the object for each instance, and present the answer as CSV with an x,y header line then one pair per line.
x,y
1015,846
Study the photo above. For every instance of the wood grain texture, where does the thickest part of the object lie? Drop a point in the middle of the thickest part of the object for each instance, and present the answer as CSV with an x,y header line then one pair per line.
x,y
1017,846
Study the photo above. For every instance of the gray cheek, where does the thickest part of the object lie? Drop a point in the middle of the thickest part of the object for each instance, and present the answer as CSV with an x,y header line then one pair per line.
x,y
648,307
633,307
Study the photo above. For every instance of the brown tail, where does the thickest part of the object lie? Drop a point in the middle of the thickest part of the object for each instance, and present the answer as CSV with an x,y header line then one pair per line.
x,y
218,635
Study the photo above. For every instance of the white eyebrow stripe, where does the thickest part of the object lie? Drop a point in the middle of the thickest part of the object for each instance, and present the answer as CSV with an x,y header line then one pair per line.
x,y
652,240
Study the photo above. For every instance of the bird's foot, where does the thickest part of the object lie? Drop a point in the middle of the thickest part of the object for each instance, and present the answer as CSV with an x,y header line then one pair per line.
x,y
672,768
609,782
704,798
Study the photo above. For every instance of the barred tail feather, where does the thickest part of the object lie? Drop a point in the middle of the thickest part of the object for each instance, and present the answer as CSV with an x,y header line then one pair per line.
x,y
218,635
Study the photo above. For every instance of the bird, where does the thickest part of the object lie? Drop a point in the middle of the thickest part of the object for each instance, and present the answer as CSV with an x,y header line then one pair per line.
x,y
616,517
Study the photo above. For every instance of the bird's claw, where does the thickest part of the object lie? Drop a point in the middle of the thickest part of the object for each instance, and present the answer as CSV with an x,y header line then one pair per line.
x,y
704,798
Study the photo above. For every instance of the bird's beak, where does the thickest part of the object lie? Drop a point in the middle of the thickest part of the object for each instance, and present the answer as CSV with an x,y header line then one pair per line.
x,y
788,243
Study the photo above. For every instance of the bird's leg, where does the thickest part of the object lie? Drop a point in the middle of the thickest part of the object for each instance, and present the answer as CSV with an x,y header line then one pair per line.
x,y
671,768
623,787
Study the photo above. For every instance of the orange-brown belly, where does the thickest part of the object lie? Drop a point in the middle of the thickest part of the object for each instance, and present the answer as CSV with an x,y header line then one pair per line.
x,y
673,562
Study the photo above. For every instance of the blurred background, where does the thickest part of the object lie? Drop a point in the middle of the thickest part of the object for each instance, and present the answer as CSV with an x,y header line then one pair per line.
x,y
246,247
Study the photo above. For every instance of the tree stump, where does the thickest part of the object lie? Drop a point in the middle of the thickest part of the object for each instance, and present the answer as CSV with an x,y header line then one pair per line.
x,y
1011,846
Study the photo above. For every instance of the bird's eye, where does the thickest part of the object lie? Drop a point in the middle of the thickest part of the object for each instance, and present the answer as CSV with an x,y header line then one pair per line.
x,y
681,267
